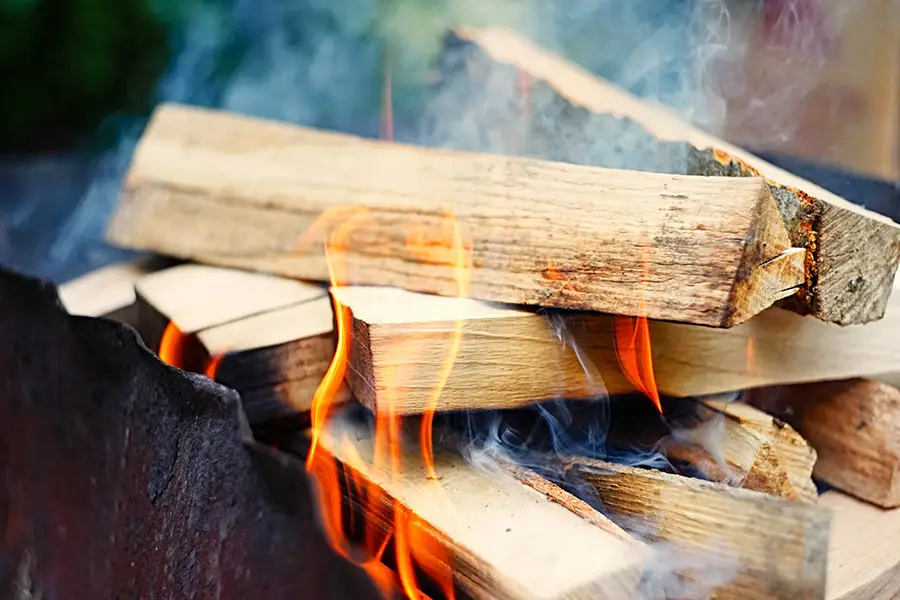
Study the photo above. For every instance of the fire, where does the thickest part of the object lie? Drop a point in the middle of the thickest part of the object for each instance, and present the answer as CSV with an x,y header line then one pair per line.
x,y
171,346
415,546
633,350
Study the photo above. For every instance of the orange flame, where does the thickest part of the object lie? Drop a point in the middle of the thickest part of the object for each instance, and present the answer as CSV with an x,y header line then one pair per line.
x,y
633,349
212,367
171,346
413,547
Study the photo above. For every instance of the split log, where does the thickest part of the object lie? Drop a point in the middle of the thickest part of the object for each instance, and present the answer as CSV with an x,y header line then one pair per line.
x,y
730,444
108,291
766,547
225,189
863,554
271,339
511,356
490,81
793,454
854,425
504,539
125,478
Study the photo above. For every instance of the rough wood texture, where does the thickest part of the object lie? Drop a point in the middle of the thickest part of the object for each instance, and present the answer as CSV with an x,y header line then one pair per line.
x,y
725,450
505,540
272,338
766,547
794,455
565,110
121,477
510,357
225,189
863,554
108,291
854,425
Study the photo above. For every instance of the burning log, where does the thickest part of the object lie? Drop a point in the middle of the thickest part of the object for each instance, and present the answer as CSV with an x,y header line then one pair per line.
x,y
504,539
269,338
854,426
741,446
774,548
405,335
502,78
108,291
121,477
863,555
225,189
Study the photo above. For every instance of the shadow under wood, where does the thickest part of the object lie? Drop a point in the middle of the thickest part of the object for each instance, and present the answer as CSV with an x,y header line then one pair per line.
x,y
123,477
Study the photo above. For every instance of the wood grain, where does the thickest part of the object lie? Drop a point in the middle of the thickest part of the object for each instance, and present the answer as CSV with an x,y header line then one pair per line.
x,y
510,357
226,189
770,547
863,554
854,426
853,255
272,338
505,539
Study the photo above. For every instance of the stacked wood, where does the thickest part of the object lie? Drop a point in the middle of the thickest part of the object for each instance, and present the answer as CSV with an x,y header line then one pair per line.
x,y
853,255
402,339
108,291
773,547
269,338
854,426
225,189
504,539
742,446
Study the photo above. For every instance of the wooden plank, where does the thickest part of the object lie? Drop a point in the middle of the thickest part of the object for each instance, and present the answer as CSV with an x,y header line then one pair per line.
x,y
854,426
771,547
504,539
853,255
863,554
269,338
225,189
108,291
402,341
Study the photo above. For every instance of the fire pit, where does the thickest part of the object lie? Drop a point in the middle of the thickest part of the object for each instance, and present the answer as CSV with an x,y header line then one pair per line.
x,y
411,372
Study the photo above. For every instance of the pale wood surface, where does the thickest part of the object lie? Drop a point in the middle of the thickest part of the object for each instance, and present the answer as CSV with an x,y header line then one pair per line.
x,y
506,540
272,337
770,547
107,291
793,455
197,297
863,552
854,252
402,340
854,426
226,189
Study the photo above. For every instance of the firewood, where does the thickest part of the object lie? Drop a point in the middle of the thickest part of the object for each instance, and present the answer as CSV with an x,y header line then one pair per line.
x,y
793,453
853,255
774,547
504,539
728,449
407,337
863,554
854,425
225,189
269,338
108,291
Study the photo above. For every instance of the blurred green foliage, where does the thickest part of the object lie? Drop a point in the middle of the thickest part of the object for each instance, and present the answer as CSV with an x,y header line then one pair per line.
x,y
68,64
